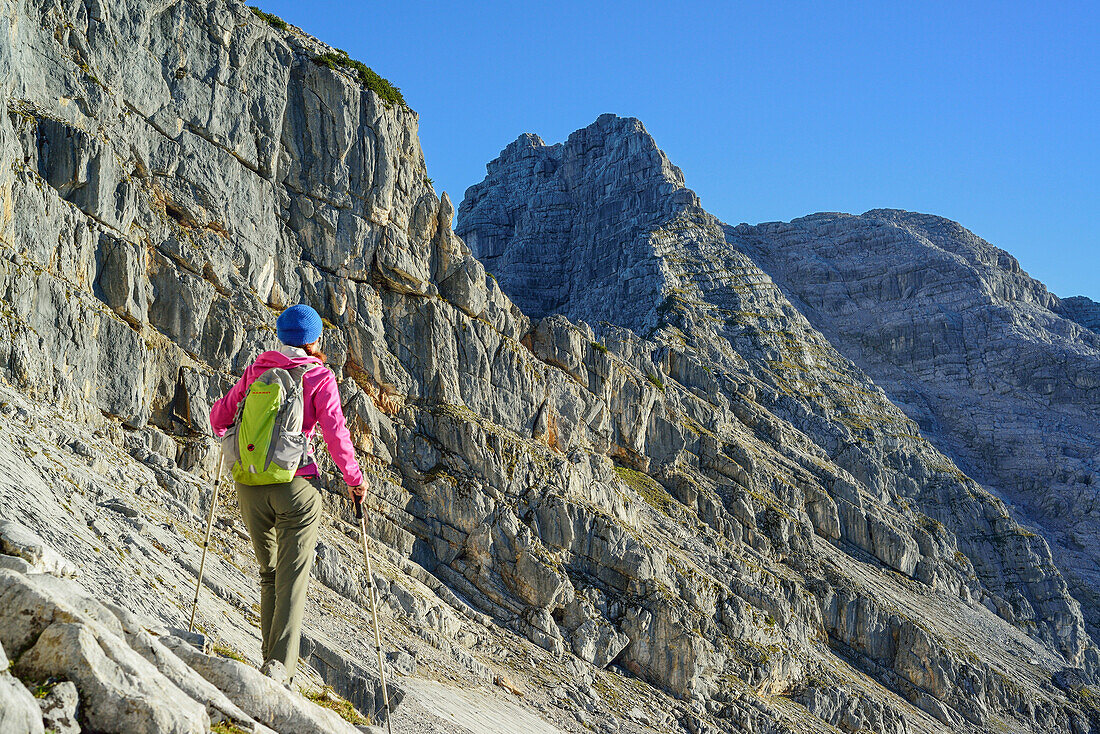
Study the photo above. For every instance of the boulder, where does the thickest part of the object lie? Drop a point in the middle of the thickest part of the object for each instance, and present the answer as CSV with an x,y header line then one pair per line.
x,y
119,690
598,642
19,713
19,540
261,697
59,709
36,601
218,706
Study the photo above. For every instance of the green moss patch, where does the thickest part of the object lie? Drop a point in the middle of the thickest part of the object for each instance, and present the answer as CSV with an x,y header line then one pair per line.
x,y
228,652
656,381
226,727
41,690
646,486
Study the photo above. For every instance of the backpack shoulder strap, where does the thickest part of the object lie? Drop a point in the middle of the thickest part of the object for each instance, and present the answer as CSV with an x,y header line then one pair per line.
x,y
300,371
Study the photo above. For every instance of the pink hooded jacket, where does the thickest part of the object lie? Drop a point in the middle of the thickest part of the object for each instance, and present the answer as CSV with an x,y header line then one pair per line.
x,y
322,405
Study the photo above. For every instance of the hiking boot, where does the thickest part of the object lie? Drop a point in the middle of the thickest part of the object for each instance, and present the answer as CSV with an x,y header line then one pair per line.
x,y
274,670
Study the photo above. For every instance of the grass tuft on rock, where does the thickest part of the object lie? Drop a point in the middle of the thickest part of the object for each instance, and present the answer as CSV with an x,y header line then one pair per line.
x,y
327,698
42,690
38,688
599,346
270,18
228,652
226,727
367,77
656,381
648,488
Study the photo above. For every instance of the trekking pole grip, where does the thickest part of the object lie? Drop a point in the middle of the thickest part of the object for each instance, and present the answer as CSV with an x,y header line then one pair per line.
x,y
358,502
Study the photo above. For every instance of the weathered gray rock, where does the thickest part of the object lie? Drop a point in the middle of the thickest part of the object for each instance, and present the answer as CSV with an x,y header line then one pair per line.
x,y
14,563
60,631
995,369
601,228
18,540
274,670
19,713
266,700
34,602
537,262
598,642
851,712
725,494
119,690
1084,311
218,706
59,709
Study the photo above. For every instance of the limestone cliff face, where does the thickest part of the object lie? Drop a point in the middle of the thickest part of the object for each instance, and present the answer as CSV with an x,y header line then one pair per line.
x,y
172,175
865,479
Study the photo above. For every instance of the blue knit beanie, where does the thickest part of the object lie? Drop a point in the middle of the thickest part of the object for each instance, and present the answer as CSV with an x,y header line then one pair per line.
x,y
298,325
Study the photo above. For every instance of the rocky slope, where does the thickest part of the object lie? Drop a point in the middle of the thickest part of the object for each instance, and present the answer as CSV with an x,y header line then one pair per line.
x,y
172,175
992,366
1083,310
711,523
798,439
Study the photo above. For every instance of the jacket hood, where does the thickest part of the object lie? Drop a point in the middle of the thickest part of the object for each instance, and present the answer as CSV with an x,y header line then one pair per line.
x,y
287,358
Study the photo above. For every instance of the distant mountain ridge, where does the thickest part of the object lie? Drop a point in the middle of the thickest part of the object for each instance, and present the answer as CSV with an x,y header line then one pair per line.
x,y
998,371
1083,310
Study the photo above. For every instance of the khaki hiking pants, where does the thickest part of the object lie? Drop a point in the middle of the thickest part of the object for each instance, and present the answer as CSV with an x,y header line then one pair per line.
x,y
283,520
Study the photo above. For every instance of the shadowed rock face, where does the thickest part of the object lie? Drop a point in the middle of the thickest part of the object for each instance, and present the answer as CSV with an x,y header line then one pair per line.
x,y
1082,310
717,325
565,228
996,370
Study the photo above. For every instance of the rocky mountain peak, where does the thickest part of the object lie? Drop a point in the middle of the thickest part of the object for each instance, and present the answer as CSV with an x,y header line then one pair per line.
x,y
587,151
988,261
611,171
996,370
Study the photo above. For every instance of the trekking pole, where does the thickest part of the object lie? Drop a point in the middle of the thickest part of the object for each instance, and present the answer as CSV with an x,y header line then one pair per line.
x,y
358,502
206,541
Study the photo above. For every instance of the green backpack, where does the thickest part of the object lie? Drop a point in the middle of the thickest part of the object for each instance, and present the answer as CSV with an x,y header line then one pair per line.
x,y
265,443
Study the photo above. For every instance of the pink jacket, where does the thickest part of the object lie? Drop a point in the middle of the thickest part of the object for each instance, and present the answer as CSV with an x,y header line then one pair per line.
x,y
322,405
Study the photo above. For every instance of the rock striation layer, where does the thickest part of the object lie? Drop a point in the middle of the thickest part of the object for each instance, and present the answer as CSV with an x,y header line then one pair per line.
x,y
795,443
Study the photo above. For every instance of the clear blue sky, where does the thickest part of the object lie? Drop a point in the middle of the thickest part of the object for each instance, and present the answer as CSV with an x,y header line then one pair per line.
x,y
984,112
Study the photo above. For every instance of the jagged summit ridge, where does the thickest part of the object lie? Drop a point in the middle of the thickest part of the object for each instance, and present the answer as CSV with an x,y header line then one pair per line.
x,y
613,160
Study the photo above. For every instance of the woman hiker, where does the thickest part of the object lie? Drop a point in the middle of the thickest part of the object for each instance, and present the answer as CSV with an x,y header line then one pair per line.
x,y
283,518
